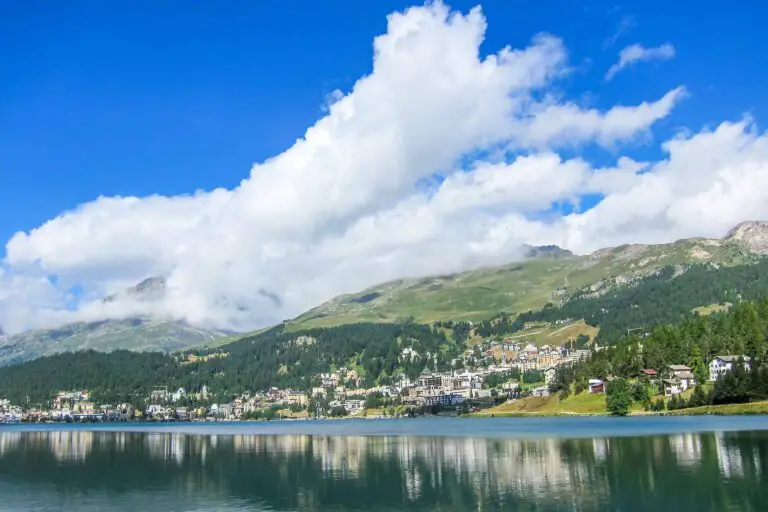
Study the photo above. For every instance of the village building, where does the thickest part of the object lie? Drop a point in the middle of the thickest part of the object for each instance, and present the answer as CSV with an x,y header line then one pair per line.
x,y
721,365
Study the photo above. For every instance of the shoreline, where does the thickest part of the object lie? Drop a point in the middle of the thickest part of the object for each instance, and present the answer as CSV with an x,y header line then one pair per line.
x,y
745,409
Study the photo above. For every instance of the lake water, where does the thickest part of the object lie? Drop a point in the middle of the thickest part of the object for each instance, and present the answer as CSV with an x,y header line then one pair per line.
x,y
611,464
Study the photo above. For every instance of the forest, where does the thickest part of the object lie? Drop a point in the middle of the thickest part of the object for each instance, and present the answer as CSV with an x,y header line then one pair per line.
x,y
271,358
742,331
659,299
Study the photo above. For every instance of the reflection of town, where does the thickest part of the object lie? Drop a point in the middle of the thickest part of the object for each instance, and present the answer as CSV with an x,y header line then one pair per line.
x,y
532,468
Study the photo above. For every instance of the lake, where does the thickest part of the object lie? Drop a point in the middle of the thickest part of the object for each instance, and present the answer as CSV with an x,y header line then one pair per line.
x,y
654,463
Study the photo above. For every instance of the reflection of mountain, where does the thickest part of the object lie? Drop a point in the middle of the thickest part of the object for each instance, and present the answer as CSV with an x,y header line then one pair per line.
x,y
394,473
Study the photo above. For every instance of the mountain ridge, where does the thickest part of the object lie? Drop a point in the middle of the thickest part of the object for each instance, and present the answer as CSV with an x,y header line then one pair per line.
x,y
520,286
546,275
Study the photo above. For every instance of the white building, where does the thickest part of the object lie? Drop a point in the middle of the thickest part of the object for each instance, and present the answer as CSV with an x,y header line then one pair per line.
x,y
720,365
179,394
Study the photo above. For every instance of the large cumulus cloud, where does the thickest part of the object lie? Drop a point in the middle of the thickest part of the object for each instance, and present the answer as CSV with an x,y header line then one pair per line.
x,y
440,159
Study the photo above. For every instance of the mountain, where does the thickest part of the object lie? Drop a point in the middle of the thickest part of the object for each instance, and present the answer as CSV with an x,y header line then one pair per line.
x,y
753,235
150,289
138,334
545,251
548,275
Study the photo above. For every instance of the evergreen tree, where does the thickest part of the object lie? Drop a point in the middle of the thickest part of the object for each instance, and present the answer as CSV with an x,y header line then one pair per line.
x,y
619,397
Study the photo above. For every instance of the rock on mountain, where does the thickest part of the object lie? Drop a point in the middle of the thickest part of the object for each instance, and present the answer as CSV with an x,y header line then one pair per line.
x,y
752,234
150,289
545,251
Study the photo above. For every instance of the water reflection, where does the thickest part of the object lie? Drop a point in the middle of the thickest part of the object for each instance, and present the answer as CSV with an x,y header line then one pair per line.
x,y
176,471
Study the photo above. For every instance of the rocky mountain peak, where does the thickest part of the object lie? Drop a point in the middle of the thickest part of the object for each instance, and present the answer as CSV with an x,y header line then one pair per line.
x,y
545,251
752,235
151,288
150,285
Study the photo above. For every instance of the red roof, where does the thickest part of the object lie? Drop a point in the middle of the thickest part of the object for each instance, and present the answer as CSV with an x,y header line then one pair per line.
x,y
649,371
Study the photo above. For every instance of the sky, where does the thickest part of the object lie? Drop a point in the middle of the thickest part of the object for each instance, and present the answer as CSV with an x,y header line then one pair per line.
x,y
266,157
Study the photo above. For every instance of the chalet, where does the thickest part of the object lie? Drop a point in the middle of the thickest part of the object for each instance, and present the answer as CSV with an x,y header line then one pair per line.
x,y
672,387
683,375
674,368
721,365
596,386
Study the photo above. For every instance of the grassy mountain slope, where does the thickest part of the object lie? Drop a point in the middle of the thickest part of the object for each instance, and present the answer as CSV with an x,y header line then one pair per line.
x,y
132,334
549,275
517,287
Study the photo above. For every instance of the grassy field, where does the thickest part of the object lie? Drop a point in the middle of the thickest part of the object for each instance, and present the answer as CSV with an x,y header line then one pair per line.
x,y
750,408
712,308
289,414
581,404
594,404
559,334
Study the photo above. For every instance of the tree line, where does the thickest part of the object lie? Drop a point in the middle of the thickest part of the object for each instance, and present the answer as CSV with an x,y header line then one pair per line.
x,y
271,358
695,341
666,297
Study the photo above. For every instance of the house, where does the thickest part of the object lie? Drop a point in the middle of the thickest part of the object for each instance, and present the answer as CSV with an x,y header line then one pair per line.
x,y
549,375
540,391
672,387
596,386
648,374
721,365
155,410
683,375
687,379
299,399
179,394
353,406
159,394
674,368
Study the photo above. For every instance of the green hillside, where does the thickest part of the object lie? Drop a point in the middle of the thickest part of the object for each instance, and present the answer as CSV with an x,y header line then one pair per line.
x,y
517,287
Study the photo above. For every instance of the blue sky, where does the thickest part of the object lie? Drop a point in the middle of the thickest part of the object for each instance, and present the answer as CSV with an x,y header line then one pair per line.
x,y
102,100
147,97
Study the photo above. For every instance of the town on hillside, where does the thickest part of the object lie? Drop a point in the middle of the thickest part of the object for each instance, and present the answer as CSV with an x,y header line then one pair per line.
x,y
487,374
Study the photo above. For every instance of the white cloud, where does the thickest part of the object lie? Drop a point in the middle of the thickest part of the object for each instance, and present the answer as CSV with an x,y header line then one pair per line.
x,y
638,53
341,209
564,124
625,24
